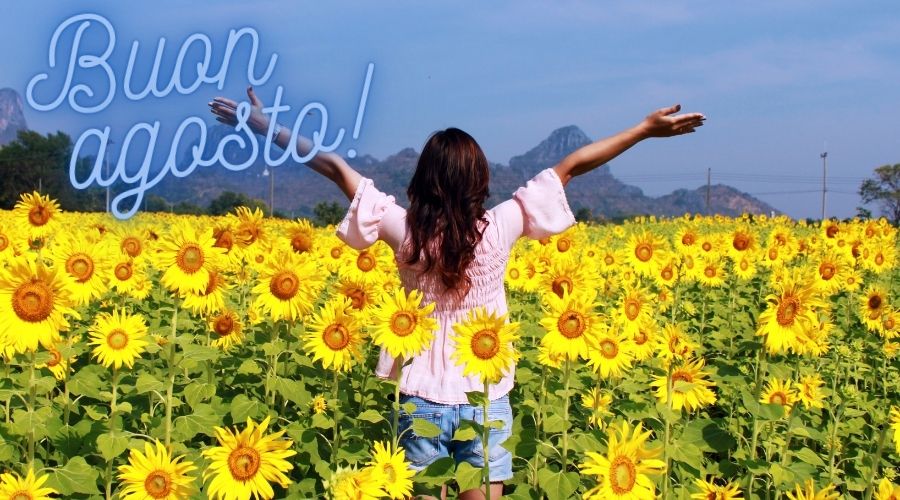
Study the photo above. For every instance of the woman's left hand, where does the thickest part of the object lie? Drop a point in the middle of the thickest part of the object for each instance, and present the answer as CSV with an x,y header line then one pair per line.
x,y
662,123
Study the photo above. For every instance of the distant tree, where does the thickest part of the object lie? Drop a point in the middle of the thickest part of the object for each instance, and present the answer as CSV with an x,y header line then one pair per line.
x,y
184,207
156,203
885,190
326,213
583,214
226,202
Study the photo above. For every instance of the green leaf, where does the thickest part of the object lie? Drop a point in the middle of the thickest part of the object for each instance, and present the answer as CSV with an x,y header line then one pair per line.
x,y
424,428
468,476
293,390
146,383
75,477
556,485
243,407
554,423
409,408
200,421
200,353
707,436
111,445
808,456
438,472
371,416
87,382
467,433
769,411
249,367
197,392
476,398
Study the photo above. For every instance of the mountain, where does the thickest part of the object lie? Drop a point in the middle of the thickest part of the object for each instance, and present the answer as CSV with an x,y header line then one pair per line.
x,y
12,117
297,189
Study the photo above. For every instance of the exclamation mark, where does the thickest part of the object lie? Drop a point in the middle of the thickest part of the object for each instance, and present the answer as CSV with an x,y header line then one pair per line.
x,y
351,153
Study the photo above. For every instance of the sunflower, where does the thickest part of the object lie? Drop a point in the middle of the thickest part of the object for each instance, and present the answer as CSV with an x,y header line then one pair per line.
x,y
598,403
831,271
156,474
635,309
646,253
745,267
711,272
610,259
367,265
516,276
686,238
779,392
564,274
57,364
881,256
210,299
131,239
16,487
690,388
318,404
40,300
187,256
250,231
83,261
350,483
246,462
228,329
675,343
571,324
549,358
623,471
331,252
809,492
887,490
611,354
710,491
288,286
8,239
394,468
363,296
895,426
128,274
401,325
645,340
790,313
119,338
872,305
890,323
301,236
809,391
334,336
484,345
39,214
668,274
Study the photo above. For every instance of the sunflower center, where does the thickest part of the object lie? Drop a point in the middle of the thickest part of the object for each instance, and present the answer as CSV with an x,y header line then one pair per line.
x,y
667,273
563,244
688,239
609,260
710,271
336,337
787,311
874,302
622,475
773,253
778,398
744,264
158,484
609,349
571,324
301,243
243,463
403,323
224,239
632,309
117,339
212,284
559,283
390,473
544,241
55,358
4,242
284,285
643,252
21,495
357,298
741,242
832,231
485,344
132,246
707,246
879,259
123,271
38,215
335,252
190,258
641,337
33,301
365,262
80,266
827,270
514,273
682,376
224,325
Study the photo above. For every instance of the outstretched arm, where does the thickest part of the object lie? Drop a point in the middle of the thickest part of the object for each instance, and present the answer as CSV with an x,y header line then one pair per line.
x,y
331,165
660,123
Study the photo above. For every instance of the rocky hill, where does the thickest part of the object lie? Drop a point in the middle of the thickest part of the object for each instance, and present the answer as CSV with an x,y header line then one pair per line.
x,y
12,118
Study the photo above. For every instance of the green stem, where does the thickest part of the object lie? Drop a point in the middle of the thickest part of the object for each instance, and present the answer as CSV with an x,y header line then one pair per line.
x,y
668,430
113,409
485,443
336,442
395,428
760,368
565,435
876,462
170,385
31,401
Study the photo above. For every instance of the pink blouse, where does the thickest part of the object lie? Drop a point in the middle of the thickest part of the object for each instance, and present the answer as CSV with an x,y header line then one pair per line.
x,y
538,210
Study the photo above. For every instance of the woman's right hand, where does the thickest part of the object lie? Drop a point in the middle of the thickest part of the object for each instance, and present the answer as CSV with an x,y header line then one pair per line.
x,y
662,123
225,110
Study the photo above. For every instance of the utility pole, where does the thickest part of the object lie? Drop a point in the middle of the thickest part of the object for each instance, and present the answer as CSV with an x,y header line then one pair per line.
x,y
271,175
824,157
708,175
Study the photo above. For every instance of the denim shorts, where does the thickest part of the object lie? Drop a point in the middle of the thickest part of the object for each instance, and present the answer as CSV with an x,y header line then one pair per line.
x,y
420,452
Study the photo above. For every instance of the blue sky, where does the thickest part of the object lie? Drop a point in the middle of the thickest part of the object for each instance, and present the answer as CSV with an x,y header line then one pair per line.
x,y
776,79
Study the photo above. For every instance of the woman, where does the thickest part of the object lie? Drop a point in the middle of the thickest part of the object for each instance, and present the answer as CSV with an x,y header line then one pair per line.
x,y
451,248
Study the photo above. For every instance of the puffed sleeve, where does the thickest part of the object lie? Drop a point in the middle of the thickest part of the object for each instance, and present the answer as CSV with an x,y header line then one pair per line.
x,y
372,215
537,210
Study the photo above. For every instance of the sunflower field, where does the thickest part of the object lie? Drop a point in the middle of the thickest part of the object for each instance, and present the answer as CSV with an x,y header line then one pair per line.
x,y
233,358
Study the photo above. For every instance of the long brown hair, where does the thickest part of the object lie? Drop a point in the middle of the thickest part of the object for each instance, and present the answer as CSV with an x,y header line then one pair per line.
x,y
446,201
